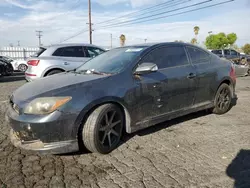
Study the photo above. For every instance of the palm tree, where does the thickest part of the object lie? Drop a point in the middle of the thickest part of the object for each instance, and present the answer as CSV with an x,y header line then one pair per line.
x,y
194,41
196,31
122,39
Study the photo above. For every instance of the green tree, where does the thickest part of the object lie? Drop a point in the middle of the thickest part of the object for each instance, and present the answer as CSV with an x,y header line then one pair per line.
x,y
246,49
232,37
220,40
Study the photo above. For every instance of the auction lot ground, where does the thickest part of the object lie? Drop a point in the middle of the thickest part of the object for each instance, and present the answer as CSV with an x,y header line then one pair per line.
x,y
198,150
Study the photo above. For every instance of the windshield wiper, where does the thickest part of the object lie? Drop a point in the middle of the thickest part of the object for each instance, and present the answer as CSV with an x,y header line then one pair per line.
x,y
88,71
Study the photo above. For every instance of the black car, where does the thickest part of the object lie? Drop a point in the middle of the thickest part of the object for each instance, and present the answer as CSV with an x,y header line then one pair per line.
x,y
123,90
6,68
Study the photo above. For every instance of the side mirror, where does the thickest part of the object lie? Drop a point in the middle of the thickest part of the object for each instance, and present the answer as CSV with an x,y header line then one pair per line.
x,y
145,68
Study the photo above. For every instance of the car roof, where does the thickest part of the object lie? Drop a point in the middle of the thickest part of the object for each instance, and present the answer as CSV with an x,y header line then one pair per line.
x,y
70,44
158,44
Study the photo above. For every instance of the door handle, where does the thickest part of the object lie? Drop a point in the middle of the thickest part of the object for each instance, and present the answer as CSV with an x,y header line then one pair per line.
x,y
191,75
66,63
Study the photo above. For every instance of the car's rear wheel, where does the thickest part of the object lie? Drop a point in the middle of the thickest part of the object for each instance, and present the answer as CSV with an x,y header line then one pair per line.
x,y
103,129
54,72
223,99
22,67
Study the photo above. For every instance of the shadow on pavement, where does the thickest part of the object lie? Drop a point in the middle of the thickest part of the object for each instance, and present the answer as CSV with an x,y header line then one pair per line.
x,y
239,169
15,77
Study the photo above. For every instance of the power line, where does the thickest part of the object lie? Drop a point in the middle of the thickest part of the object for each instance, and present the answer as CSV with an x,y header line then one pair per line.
x,y
156,10
193,5
159,17
180,13
133,13
73,36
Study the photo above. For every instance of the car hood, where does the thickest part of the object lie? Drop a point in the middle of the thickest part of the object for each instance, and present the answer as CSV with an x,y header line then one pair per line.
x,y
54,85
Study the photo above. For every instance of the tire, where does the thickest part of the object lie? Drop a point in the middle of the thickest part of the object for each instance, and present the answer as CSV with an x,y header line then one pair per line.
x,y
53,72
101,135
22,67
223,99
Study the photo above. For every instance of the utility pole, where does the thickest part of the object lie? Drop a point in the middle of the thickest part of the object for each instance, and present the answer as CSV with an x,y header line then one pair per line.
x,y
145,40
111,38
39,35
90,24
18,43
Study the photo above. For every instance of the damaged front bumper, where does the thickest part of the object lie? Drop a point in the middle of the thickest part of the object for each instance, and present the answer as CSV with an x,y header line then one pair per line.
x,y
48,134
44,148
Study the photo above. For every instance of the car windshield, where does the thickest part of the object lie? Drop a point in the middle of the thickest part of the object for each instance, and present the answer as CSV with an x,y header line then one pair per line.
x,y
112,61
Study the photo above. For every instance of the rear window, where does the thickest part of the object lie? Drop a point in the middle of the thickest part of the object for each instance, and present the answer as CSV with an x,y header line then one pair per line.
x,y
39,52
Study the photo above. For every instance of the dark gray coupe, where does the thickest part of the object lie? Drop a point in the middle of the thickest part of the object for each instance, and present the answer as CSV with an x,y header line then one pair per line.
x,y
123,90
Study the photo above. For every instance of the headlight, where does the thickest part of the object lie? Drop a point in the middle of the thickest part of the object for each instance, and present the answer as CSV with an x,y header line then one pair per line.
x,y
45,105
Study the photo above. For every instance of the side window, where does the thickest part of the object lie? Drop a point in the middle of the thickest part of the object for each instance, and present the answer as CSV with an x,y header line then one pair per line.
x,y
94,51
218,52
227,52
233,52
166,57
71,51
197,56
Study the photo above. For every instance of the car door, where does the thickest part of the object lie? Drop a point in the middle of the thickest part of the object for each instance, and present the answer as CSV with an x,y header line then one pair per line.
x,y
227,54
235,55
71,57
170,88
205,74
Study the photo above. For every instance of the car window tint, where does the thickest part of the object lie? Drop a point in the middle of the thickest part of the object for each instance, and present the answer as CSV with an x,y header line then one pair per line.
x,y
233,52
219,52
94,51
226,52
166,57
197,55
72,51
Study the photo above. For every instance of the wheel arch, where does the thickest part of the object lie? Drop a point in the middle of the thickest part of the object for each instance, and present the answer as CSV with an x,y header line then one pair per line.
x,y
82,117
228,81
52,69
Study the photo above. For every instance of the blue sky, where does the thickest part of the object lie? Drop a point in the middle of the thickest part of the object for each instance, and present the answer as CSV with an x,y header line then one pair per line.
x,y
60,19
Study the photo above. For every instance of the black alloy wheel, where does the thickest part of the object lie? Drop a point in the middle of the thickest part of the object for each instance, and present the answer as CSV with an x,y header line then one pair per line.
x,y
103,129
223,99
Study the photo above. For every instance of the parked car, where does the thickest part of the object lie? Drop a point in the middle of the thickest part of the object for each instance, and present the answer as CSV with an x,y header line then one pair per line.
x,y
18,65
229,54
2,68
59,58
123,90
7,68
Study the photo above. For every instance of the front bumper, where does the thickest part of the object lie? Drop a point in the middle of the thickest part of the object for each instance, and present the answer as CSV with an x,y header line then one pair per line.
x,y
47,134
44,148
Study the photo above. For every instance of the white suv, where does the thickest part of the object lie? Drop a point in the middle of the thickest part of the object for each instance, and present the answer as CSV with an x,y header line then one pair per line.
x,y
59,58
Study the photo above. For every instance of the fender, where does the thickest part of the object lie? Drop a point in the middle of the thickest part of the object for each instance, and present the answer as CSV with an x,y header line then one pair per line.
x,y
94,104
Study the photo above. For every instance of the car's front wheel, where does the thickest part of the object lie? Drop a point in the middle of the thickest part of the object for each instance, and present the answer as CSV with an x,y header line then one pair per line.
x,y
223,99
103,129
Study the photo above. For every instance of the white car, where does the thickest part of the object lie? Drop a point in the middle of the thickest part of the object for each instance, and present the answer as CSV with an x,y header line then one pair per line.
x,y
59,58
18,65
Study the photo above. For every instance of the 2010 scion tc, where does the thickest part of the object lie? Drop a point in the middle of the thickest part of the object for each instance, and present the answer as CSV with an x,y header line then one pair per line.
x,y
123,90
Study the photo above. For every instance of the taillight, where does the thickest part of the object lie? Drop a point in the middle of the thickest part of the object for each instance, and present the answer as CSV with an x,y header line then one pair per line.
x,y
232,73
33,62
